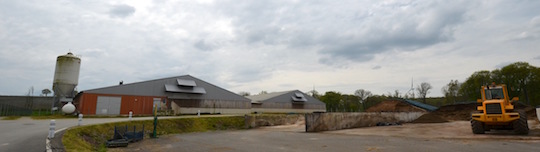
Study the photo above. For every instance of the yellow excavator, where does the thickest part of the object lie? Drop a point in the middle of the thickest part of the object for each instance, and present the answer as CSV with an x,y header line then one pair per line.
x,y
497,112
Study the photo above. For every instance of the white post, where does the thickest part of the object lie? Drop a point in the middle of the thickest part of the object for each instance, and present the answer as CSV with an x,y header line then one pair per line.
x,y
130,114
80,119
52,127
538,112
198,113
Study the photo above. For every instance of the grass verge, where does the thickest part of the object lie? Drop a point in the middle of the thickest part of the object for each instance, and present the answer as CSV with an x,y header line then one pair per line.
x,y
93,137
11,117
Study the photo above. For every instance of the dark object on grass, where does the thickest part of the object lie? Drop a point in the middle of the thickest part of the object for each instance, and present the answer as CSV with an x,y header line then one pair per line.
x,y
122,136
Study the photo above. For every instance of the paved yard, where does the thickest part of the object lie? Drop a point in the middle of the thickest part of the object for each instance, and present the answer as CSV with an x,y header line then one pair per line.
x,y
451,137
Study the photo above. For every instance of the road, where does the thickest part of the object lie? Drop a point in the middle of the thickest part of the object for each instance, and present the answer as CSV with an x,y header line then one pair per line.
x,y
28,135
409,137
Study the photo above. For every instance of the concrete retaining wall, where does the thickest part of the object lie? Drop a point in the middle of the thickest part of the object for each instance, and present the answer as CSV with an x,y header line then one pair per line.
x,y
254,121
336,121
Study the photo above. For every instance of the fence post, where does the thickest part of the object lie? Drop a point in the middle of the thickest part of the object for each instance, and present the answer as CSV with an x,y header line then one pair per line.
x,y
130,114
80,119
52,127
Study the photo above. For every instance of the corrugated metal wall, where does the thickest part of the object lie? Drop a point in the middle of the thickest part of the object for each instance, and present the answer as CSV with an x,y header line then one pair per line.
x,y
284,105
213,104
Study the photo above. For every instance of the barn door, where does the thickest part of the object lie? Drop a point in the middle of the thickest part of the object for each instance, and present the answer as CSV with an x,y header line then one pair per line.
x,y
108,105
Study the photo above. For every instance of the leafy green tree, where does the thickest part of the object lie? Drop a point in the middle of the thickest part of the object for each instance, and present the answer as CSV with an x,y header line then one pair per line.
x,y
332,100
518,77
521,78
470,89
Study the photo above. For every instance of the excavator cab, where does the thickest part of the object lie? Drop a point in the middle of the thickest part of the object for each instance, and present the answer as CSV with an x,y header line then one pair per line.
x,y
496,111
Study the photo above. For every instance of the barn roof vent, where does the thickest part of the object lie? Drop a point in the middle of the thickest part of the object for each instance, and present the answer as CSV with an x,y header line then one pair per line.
x,y
299,97
186,83
185,86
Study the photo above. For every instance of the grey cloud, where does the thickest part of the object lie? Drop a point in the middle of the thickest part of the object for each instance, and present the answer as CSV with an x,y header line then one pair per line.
x,y
348,32
376,67
121,11
203,45
537,58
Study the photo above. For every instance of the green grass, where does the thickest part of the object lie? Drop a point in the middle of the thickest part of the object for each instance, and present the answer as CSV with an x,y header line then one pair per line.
x,y
93,137
11,117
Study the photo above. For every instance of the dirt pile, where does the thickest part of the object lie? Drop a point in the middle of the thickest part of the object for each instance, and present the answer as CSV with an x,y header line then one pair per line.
x,y
429,118
530,110
463,112
394,106
456,111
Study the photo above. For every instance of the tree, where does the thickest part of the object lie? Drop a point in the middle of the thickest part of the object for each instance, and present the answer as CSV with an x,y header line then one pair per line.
x,y
332,100
263,92
423,90
45,91
397,94
362,96
522,80
244,93
314,94
470,89
518,76
451,91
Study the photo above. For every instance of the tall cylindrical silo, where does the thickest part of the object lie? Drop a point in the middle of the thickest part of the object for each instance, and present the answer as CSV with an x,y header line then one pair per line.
x,y
66,75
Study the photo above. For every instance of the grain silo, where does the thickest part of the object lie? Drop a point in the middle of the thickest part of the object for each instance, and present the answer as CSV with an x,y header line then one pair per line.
x,y
66,77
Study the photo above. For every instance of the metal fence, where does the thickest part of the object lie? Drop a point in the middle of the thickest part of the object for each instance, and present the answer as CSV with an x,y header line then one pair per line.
x,y
9,110
25,105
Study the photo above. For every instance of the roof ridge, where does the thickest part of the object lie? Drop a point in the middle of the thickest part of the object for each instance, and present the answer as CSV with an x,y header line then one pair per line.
x,y
127,84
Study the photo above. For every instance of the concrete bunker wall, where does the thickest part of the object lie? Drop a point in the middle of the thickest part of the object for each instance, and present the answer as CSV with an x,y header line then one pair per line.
x,y
316,122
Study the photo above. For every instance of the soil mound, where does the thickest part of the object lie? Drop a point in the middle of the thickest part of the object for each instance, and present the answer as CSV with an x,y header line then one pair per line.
x,y
429,118
394,106
463,111
456,111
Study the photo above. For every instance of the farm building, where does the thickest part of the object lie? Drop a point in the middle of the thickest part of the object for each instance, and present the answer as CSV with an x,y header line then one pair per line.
x,y
181,95
286,102
401,106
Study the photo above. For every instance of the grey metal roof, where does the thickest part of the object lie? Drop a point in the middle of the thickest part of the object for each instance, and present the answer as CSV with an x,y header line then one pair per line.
x,y
285,96
421,105
183,89
158,88
184,82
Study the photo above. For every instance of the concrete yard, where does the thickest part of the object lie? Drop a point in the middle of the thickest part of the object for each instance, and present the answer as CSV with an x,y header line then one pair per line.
x,y
451,136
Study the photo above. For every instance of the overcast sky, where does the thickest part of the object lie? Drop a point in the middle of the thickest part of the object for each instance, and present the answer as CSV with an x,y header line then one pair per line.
x,y
266,45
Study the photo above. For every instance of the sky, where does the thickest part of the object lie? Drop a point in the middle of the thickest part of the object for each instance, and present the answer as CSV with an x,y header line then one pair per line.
x,y
266,45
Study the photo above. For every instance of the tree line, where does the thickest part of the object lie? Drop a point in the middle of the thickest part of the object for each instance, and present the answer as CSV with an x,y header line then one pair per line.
x,y
362,99
521,79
